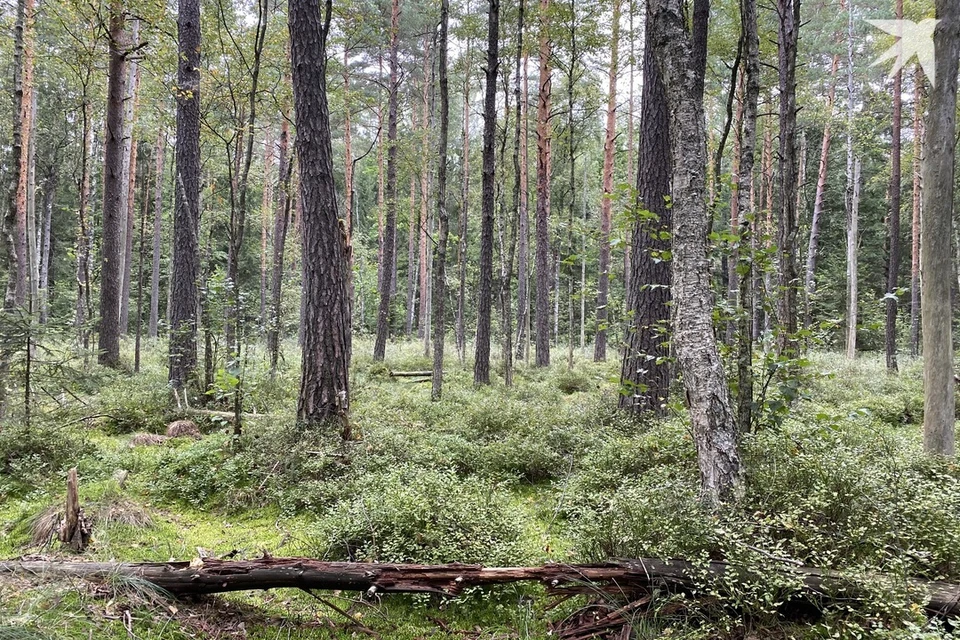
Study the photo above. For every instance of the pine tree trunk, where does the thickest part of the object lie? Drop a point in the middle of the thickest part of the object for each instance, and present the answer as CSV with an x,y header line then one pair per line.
x,y
390,222
129,207
714,430
918,133
50,183
939,165
810,281
789,33
114,192
543,262
851,200
412,258
157,236
186,214
733,260
84,310
523,222
893,242
645,371
460,330
481,365
606,203
440,252
281,217
266,207
424,225
324,384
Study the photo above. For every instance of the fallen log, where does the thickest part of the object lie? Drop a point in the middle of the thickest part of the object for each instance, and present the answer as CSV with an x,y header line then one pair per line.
x,y
210,575
411,374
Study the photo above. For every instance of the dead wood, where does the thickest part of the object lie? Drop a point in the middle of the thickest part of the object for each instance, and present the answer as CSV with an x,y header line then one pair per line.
x,y
411,374
216,576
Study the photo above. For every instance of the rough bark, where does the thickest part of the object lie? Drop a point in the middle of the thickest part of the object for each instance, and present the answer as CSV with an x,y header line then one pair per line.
x,y
390,221
84,306
714,429
523,232
186,213
893,237
460,329
443,220
787,227
114,191
324,383
157,236
128,204
412,258
210,575
425,179
266,208
748,145
50,184
606,202
542,258
810,282
851,198
481,363
645,371
937,268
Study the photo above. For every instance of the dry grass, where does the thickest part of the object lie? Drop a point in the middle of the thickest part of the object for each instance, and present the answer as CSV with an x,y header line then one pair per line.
x,y
183,429
146,440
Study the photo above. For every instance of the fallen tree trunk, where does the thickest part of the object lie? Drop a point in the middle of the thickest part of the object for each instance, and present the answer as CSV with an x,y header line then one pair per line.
x,y
209,575
411,374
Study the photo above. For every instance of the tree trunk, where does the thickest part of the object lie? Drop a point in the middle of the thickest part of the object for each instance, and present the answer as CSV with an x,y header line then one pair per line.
x,y
481,365
543,266
412,258
737,89
572,147
645,371
186,214
424,225
390,223
266,208
893,263
631,177
748,145
852,200
114,191
523,223
714,429
157,236
138,330
918,133
84,307
810,282
460,330
50,184
789,33
324,384
606,202
440,252
128,206
281,217
939,164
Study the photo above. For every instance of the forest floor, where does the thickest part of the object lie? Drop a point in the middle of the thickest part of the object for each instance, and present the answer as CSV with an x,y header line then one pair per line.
x,y
544,471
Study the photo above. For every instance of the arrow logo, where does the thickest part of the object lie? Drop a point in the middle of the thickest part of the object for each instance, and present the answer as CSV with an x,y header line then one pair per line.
x,y
914,39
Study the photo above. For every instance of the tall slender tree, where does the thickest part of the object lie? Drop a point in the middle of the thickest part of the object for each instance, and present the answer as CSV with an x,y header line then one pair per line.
x,y
893,236
481,366
918,133
542,256
324,383
158,150
440,251
939,166
186,214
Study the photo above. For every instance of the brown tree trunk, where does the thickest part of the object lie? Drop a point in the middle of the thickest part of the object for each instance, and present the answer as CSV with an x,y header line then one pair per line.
x,y
737,89
918,133
84,307
939,165
631,177
412,258
424,226
519,223
440,252
157,236
460,330
645,371
810,282
714,429
50,183
606,202
281,217
390,223
128,206
114,191
852,201
523,222
186,214
481,364
788,37
893,243
543,263
324,384
266,208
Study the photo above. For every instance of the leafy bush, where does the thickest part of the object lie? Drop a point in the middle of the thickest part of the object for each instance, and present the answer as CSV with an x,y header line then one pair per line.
x,y
131,404
573,381
429,516
33,455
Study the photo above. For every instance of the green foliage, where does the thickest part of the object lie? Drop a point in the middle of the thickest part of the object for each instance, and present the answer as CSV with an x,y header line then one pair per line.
x,y
573,381
33,456
412,515
130,404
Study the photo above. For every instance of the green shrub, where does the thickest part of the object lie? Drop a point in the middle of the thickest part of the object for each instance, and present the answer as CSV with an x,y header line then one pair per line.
x,y
30,456
428,516
573,381
130,404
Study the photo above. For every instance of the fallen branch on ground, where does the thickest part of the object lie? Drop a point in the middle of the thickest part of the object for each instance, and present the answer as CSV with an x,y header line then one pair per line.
x,y
211,575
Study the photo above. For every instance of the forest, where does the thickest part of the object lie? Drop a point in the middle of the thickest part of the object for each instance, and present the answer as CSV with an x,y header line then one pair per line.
x,y
517,319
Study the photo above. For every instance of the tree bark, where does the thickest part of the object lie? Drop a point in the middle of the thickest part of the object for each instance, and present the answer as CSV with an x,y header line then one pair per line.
x,y
810,281
918,134
390,223
645,371
412,265
606,202
281,217
937,269
543,262
324,398
523,233
84,306
266,208
481,364
128,205
460,329
425,178
440,251
714,429
114,191
186,214
50,183
157,236
893,242
789,34
851,200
